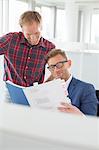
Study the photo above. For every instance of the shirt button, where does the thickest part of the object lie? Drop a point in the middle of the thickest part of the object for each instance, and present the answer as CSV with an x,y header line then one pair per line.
x,y
29,57
24,77
26,67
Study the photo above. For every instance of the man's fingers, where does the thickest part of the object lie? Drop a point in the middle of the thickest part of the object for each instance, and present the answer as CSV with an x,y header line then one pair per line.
x,y
64,109
66,105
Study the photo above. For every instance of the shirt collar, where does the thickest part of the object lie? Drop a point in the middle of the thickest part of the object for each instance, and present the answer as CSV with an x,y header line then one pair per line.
x,y
68,81
41,43
22,40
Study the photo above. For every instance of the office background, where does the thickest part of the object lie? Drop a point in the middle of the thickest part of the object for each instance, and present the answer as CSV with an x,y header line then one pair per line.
x,y
73,25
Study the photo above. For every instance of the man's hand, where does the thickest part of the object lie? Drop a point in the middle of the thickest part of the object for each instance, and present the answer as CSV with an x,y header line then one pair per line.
x,y
69,108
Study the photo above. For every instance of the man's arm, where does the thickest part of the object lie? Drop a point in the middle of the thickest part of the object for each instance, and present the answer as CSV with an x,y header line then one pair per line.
x,y
4,43
89,100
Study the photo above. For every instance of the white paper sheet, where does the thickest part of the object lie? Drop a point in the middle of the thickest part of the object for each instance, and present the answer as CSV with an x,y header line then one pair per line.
x,y
46,95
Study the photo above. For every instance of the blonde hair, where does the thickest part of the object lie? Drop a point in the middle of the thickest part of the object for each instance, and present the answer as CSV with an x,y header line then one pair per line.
x,y
55,52
29,17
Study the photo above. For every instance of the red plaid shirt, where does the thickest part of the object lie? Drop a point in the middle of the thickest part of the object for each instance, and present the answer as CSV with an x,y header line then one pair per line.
x,y
24,64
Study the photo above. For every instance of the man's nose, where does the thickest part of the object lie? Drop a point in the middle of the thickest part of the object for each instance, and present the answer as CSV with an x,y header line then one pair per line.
x,y
56,68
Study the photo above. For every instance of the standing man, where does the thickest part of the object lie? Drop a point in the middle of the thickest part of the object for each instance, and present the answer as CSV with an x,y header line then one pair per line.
x,y
82,94
24,51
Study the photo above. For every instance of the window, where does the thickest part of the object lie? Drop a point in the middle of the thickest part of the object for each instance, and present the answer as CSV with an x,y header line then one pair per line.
x,y
48,21
60,24
16,8
1,16
80,27
95,28
38,9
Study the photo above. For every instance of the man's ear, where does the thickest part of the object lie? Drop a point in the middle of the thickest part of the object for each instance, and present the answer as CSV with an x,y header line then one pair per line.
x,y
69,63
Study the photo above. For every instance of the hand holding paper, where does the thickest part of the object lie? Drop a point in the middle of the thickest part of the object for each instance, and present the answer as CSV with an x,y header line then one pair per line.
x,y
46,95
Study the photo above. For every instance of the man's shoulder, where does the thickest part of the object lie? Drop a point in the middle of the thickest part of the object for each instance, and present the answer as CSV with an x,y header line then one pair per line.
x,y
48,43
17,34
81,82
11,36
14,34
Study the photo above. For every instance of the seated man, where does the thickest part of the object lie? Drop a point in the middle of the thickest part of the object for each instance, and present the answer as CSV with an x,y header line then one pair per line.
x,y
82,94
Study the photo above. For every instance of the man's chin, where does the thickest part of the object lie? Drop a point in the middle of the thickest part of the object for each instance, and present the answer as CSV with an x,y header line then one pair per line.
x,y
58,77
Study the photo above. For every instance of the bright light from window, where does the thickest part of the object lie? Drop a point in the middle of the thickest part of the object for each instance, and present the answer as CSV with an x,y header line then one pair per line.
x,y
47,15
16,8
95,28
38,9
60,24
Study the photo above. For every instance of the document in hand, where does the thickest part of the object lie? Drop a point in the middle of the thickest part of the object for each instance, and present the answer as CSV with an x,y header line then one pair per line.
x,y
46,95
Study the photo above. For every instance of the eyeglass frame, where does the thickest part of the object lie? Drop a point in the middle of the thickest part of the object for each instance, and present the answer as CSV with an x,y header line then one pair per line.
x,y
53,66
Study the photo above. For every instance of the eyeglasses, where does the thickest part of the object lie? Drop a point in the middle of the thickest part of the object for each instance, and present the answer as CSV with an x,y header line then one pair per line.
x,y
58,65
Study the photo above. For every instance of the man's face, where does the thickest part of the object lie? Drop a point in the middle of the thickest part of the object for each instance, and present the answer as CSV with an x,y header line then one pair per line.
x,y
32,32
58,66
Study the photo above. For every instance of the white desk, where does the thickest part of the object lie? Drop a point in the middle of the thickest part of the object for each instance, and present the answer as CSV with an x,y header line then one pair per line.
x,y
28,129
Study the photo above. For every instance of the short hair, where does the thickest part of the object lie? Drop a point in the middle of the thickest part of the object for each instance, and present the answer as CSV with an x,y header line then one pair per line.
x,y
55,52
29,17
